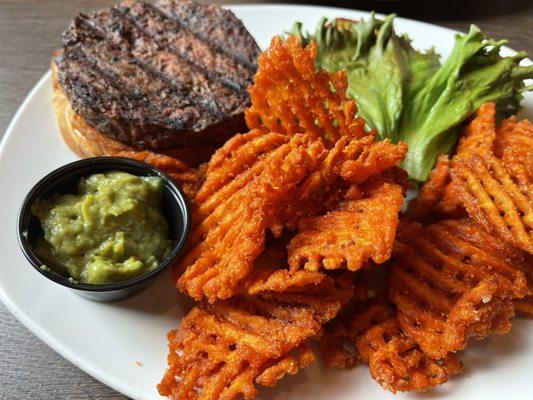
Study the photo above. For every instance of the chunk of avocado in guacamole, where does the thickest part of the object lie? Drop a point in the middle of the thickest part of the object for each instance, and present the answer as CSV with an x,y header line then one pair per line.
x,y
112,230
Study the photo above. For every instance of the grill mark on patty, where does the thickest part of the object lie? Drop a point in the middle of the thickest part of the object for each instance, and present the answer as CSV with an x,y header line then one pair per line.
x,y
96,96
225,37
179,113
101,94
115,63
132,86
177,70
146,79
200,53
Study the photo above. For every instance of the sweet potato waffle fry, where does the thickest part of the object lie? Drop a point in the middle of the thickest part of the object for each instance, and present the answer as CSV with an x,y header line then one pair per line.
x,y
396,362
311,196
451,281
373,159
290,96
350,161
429,200
188,180
479,135
524,306
490,179
496,198
325,301
337,344
271,274
222,351
438,197
347,237
514,146
515,135
225,244
282,280
228,181
237,156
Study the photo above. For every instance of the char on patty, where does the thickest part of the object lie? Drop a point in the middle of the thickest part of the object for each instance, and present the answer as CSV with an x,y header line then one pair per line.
x,y
170,74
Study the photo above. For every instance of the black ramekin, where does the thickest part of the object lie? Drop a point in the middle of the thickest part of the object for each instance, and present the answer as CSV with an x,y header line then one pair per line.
x,y
65,180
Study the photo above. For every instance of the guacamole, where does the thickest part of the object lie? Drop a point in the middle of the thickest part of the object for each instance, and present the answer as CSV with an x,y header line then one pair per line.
x,y
111,231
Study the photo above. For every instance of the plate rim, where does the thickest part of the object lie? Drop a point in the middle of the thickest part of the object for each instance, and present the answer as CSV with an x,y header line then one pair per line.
x,y
56,345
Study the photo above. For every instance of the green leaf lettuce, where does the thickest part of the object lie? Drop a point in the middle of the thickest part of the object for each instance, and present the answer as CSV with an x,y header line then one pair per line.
x,y
407,95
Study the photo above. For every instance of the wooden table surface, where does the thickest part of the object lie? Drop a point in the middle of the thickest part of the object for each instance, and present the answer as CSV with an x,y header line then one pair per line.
x,y
30,31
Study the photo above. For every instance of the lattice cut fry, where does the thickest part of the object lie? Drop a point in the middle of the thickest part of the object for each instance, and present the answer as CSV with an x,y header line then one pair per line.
x,y
234,158
451,281
438,194
357,231
373,159
226,241
514,146
349,161
297,359
396,362
496,198
524,306
514,134
479,135
283,280
222,351
244,157
312,195
270,274
346,328
188,179
325,301
436,197
225,348
504,156
239,162
290,96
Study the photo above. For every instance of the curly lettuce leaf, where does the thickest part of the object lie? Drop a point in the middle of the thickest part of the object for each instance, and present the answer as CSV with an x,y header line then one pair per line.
x,y
407,95
378,64
474,73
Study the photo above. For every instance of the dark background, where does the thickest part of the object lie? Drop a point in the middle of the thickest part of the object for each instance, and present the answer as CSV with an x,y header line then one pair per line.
x,y
29,33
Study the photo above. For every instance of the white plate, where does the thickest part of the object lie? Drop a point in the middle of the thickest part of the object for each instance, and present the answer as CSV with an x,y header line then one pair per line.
x,y
123,344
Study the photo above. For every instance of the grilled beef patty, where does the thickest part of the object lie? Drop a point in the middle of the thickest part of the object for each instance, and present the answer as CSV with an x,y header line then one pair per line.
x,y
172,74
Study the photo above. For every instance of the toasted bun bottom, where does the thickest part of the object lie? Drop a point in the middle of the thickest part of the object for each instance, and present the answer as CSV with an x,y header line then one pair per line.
x,y
86,141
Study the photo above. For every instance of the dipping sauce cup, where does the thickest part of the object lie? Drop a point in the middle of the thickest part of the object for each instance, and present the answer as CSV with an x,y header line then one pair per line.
x,y
65,179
